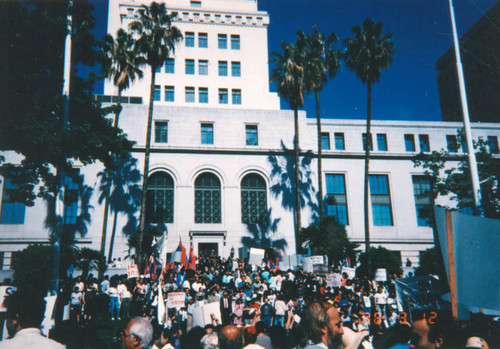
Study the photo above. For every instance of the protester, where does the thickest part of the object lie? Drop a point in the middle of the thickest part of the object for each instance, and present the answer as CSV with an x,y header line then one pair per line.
x,y
138,334
323,326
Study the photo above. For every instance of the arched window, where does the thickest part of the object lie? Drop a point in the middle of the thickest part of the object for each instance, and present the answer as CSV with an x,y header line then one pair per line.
x,y
207,199
253,199
160,198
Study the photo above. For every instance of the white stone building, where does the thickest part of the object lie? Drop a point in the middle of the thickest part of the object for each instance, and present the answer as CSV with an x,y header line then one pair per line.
x,y
217,128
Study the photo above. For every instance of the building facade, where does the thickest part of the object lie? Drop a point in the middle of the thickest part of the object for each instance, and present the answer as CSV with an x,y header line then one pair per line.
x,y
221,149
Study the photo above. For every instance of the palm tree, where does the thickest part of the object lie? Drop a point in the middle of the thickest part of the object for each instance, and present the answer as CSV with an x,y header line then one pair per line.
x,y
367,54
288,74
320,60
120,63
156,40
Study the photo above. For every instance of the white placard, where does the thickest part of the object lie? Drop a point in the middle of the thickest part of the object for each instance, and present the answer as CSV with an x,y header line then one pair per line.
x,y
256,256
176,300
317,259
381,275
351,272
132,271
202,315
320,269
334,280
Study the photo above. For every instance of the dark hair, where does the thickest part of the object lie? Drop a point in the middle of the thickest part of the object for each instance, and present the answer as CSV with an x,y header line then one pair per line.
x,y
440,323
260,326
30,307
315,319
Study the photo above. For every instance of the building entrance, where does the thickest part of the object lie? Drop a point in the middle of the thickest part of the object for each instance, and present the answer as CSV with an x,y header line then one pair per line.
x,y
208,248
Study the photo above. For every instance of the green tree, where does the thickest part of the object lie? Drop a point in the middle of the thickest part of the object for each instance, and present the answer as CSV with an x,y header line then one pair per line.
x,y
288,74
430,263
367,54
86,259
121,64
455,181
329,237
380,257
156,40
320,61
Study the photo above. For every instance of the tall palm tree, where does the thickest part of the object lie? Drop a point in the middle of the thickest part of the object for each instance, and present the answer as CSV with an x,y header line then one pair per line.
x,y
121,64
156,40
320,61
367,54
288,74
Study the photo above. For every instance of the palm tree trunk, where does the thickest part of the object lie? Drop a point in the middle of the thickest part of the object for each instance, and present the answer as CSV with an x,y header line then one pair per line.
x,y
112,241
108,184
142,218
297,178
367,171
320,170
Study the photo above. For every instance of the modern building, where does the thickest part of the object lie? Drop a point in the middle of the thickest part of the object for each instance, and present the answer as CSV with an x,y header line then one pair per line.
x,y
480,52
221,149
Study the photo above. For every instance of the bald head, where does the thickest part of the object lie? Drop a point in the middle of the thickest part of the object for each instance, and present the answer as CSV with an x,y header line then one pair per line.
x,y
230,337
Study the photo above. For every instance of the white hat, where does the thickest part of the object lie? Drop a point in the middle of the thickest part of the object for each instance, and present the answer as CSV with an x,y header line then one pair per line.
x,y
476,342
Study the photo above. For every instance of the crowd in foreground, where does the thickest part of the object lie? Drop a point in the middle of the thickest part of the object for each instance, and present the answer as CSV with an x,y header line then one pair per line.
x,y
256,308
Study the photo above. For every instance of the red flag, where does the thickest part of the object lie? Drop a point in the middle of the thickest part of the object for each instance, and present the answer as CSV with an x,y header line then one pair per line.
x,y
192,258
184,259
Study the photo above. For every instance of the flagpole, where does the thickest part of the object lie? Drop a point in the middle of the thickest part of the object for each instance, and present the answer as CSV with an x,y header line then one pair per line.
x,y
465,114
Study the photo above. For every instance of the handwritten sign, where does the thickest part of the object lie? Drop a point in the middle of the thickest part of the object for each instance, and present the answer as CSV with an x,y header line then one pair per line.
x,y
132,271
176,300
333,280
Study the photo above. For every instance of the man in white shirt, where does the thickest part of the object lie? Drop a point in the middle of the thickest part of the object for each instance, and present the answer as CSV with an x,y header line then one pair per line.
x,y
25,313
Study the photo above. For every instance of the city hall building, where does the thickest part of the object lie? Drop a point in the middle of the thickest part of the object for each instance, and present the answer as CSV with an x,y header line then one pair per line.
x,y
221,149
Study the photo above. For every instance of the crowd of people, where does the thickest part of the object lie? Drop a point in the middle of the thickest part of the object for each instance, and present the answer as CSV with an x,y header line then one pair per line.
x,y
261,308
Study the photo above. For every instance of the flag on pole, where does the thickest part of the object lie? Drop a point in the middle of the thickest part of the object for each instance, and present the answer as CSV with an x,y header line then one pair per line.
x,y
161,304
192,258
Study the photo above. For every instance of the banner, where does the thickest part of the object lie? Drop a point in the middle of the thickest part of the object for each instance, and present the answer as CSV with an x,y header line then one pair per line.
x,y
176,300
132,271
256,256
288,262
320,269
333,280
380,275
202,315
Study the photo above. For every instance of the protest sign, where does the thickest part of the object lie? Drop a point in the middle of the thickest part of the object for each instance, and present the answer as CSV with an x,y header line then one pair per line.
x,y
320,268
176,300
380,275
333,280
202,315
132,271
256,256
351,272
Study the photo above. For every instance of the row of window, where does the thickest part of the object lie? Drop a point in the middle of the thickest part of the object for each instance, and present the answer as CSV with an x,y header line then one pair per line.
x,y
409,139
218,18
190,67
190,40
206,133
336,199
190,95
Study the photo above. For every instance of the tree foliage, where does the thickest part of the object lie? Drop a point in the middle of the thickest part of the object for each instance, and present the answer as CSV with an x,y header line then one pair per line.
x,y
380,257
430,263
329,238
455,181
31,121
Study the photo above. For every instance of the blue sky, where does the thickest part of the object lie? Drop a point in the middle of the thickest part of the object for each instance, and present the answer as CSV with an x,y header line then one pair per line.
x,y
422,33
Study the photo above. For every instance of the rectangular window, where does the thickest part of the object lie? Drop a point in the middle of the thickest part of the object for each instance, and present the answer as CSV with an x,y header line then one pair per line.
x,y
235,42
492,142
190,66
71,190
451,143
189,39
336,198
12,211
325,141
423,200
223,96
203,67
203,94
252,137
189,94
207,134
222,41
203,40
364,141
409,143
339,141
170,66
222,68
381,200
157,93
423,141
195,3
236,96
161,131
235,68
158,69
169,94
382,142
